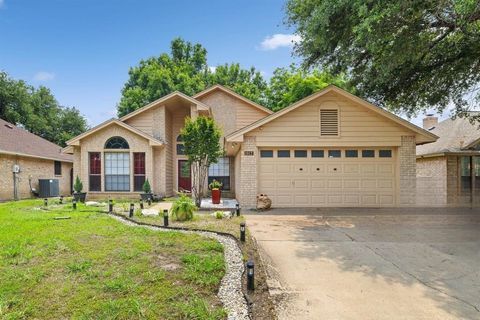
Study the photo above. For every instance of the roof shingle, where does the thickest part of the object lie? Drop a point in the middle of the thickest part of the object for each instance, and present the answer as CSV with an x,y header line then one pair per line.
x,y
15,140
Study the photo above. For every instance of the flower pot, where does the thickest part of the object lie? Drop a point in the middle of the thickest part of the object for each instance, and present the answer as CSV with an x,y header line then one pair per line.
x,y
80,196
146,196
216,195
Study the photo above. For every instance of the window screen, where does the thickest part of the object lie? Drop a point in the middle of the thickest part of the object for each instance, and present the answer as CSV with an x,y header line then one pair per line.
x,y
334,153
117,171
220,171
266,154
368,153
138,170
385,153
300,153
283,153
95,169
318,153
58,168
351,153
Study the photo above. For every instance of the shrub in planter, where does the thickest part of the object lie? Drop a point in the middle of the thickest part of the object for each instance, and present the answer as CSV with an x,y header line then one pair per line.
x,y
147,191
183,208
216,193
78,195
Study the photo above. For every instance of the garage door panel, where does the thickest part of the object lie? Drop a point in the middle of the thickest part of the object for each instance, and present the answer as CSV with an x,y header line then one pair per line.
x,y
303,182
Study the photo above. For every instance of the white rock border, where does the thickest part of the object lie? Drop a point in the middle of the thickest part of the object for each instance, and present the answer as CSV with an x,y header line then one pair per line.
x,y
230,292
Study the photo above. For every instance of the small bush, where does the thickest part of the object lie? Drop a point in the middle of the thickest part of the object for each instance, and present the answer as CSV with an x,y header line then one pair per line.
x,y
146,187
183,208
78,185
218,214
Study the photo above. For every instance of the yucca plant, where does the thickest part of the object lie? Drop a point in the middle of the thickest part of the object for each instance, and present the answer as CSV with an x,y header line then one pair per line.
x,y
183,208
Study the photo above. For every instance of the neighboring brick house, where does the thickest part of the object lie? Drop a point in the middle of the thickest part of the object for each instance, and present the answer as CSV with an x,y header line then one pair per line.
x,y
448,170
329,149
35,158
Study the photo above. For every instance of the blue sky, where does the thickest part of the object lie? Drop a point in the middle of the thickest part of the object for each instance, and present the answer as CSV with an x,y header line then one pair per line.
x,y
82,50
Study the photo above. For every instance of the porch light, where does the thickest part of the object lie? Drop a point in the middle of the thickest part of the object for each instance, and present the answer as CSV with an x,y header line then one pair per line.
x,y
250,275
242,231
165,217
132,206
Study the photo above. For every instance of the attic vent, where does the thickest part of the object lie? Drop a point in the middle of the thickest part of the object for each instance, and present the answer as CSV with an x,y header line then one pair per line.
x,y
328,122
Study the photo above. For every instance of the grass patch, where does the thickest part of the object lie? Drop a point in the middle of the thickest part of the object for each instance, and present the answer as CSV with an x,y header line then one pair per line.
x,y
93,267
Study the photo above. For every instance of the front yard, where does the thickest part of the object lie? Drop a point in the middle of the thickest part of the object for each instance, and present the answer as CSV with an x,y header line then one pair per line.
x,y
91,266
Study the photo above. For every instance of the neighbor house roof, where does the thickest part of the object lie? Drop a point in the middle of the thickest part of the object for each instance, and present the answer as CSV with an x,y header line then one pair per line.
x,y
76,140
218,87
422,136
18,141
455,136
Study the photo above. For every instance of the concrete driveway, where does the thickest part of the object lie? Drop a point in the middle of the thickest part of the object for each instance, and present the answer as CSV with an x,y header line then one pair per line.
x,y
372,264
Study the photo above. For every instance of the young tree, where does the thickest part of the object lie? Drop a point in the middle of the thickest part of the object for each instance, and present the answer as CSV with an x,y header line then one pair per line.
x,y
405,55
202,146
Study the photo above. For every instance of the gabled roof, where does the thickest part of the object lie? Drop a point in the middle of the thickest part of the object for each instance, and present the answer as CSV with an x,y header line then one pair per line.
x,y
232,93
455,136
422,136
200,105
17,141
76,140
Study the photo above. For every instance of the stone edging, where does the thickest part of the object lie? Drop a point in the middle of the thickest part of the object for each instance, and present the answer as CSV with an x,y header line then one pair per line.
x,y
230,291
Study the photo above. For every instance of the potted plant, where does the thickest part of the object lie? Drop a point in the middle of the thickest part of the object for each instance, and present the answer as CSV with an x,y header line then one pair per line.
x,y
216,193
147,191
183,208
78,195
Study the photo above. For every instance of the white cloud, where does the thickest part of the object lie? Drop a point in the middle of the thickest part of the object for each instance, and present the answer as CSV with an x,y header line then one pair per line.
x,y
279,40
211,68
43,75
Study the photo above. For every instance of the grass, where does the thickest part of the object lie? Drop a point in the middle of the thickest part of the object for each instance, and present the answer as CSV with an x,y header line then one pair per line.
x,y
93,267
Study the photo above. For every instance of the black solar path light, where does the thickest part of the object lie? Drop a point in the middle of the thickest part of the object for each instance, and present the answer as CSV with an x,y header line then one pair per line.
x,y
61,199
242,231
74,204
149,201
45,202
237,206
250,275
141,204
165,217
132,206
110,205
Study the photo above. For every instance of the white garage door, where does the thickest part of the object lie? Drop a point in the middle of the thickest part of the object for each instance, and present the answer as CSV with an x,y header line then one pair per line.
x,y
328,177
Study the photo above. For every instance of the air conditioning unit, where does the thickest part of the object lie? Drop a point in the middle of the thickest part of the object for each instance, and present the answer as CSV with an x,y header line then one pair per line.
x,y
16,168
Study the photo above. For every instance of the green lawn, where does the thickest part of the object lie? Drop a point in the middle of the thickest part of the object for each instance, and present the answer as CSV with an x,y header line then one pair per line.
x,y
93,267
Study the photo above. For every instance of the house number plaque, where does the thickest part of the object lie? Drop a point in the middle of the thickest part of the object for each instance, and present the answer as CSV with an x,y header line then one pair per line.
x,y
248,153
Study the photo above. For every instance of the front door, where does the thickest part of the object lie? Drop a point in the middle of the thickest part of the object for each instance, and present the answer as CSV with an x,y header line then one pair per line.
x,y
184,176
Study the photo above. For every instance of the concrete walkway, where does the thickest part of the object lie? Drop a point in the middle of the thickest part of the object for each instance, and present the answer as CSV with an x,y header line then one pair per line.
x,y
372,266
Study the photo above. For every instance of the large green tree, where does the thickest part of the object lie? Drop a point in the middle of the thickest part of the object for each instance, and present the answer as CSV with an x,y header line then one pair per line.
x,y
37,110
288,85
184,69
405,55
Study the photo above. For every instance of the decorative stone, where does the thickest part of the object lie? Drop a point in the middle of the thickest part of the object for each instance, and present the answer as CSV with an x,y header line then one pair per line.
x,y
263,202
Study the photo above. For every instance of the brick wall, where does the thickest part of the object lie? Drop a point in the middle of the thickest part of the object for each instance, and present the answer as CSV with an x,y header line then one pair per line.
x,y
30,167
248,174
406,154
432,181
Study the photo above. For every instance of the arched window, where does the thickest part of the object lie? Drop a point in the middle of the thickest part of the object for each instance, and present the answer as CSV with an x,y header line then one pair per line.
x,y
180,145
116,143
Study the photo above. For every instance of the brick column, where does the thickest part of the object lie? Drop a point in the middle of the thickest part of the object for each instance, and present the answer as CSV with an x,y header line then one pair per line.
x,y
248,175
408,182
